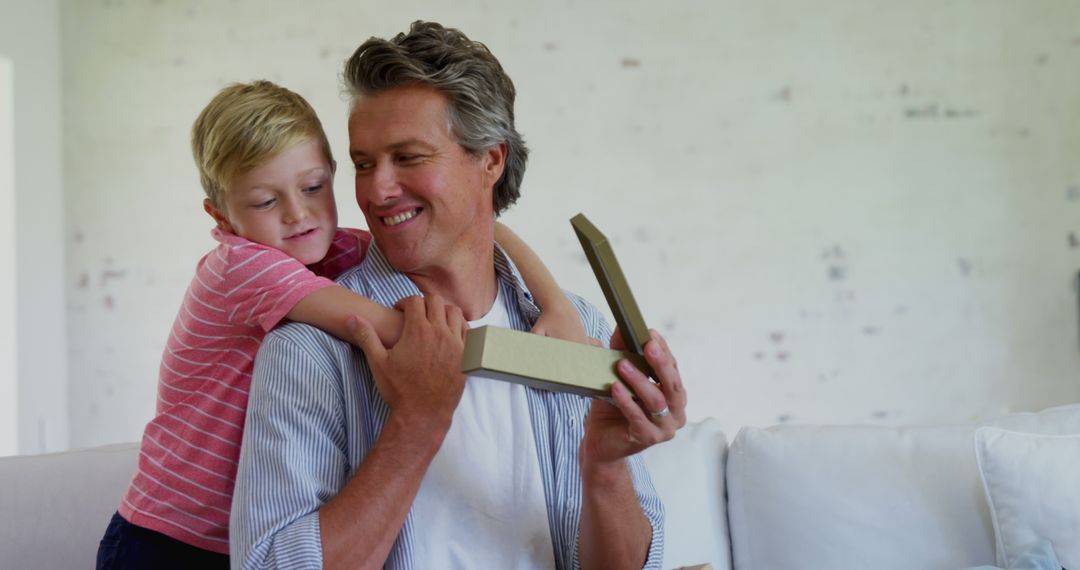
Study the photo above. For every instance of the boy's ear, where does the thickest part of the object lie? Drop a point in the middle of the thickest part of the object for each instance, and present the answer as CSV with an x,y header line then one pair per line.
x,y
220,218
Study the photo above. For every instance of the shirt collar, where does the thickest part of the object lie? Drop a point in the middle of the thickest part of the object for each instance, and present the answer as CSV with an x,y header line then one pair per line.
x,y
376,278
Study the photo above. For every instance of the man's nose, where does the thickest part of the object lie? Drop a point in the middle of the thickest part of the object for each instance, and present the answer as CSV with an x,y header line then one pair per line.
x,y
382,186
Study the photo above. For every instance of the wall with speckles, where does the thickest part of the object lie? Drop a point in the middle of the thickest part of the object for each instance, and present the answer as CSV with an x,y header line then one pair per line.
x,y
844,211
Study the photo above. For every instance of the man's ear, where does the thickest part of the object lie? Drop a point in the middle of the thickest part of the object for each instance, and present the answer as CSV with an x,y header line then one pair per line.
x,y
220,218
494,162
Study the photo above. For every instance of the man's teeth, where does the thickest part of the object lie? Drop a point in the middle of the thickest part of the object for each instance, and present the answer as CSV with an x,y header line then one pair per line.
x,y
395,220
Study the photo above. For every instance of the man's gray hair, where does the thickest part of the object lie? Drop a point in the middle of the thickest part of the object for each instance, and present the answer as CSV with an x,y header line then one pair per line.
x,y
480,94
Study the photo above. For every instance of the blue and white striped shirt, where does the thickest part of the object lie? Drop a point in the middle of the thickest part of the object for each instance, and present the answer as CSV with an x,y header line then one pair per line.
x,y
314,414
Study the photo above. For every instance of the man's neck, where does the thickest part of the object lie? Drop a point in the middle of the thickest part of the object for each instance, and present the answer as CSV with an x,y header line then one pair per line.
x,y
468,281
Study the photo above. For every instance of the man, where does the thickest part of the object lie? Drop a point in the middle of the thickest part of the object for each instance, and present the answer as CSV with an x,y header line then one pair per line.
x,y
392,457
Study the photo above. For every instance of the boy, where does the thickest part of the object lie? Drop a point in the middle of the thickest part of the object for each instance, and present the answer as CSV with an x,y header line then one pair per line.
x,y
266,167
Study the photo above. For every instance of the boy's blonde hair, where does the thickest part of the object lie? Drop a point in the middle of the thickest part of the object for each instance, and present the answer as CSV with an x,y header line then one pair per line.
x,y
246,124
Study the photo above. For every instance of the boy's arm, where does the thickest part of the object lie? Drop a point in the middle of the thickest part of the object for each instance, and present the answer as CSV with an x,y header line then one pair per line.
x,y
558,318
329,307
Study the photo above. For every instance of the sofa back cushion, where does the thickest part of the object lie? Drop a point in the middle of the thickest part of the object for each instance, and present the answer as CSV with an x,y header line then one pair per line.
x,y
1032,484
55,507
856,497
688,473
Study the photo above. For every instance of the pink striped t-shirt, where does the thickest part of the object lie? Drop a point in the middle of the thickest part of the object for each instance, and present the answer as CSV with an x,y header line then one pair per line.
x,y
187,463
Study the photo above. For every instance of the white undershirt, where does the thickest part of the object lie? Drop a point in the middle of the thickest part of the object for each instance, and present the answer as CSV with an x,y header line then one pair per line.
x,y
481,503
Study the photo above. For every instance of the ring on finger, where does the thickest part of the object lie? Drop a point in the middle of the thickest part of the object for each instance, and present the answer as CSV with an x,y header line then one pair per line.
x,y
661,414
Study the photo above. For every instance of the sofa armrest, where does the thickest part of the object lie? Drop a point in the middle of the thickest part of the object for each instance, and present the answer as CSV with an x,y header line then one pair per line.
x,y
688,473
56,506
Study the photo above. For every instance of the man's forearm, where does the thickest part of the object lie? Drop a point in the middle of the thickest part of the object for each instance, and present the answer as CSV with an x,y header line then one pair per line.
x,y
360,525
614,531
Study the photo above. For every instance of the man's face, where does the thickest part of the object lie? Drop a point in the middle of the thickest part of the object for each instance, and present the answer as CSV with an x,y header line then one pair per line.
x,y
426,199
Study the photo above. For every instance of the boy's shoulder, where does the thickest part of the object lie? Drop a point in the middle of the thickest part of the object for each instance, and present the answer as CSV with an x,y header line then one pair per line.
x,y
240,264
354,233
238,257
234,251
348,248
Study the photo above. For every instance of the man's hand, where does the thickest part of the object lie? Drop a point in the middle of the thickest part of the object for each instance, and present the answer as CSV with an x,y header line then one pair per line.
x,y
620,428
420,377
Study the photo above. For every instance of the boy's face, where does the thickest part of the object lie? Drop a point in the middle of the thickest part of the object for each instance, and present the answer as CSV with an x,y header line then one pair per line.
x,y
286,203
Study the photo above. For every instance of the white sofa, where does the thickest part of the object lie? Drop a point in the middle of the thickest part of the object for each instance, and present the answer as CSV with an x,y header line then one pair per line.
x,y
815,497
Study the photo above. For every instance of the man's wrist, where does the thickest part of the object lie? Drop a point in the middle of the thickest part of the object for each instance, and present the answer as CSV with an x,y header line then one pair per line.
x,y
427,430
603,474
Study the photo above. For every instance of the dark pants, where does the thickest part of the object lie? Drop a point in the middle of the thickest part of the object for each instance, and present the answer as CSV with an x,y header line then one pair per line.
x,y
129,547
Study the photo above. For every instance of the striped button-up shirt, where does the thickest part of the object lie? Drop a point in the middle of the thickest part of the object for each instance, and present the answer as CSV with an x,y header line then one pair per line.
x,y
315,413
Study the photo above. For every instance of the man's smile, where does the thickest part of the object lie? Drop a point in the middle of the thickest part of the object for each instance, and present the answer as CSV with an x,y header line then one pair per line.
x,y
399,218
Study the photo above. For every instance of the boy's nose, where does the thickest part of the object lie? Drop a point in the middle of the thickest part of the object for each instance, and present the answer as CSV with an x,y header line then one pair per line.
x,y
295,211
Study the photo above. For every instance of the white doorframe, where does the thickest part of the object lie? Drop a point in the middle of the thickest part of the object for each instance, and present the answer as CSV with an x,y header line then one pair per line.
x,y
9,417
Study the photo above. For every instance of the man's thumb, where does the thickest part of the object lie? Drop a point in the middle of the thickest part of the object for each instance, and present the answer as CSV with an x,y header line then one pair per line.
x,y
363,336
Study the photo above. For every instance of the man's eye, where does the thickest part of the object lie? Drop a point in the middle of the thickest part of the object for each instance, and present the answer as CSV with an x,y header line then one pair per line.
x,y
363,166
408,158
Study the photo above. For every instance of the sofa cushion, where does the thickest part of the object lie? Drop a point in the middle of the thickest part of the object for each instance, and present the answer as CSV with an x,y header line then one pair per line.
x,y
688,473
839,497
56,506
1031,483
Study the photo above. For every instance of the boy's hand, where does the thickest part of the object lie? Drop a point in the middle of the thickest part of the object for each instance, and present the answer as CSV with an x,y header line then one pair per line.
x,y
563,322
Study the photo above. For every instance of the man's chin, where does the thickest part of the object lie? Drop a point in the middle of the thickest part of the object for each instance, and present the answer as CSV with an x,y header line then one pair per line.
x,y
401,259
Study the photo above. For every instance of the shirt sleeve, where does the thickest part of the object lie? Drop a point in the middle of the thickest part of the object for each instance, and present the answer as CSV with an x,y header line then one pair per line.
x,y
293,458
652,507
260,284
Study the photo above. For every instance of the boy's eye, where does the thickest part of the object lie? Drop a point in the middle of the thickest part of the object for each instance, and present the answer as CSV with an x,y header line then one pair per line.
x,y
313,189
363,165
264,204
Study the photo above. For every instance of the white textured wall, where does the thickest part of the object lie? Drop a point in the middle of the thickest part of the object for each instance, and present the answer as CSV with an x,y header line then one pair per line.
x,y
30,38
842,211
